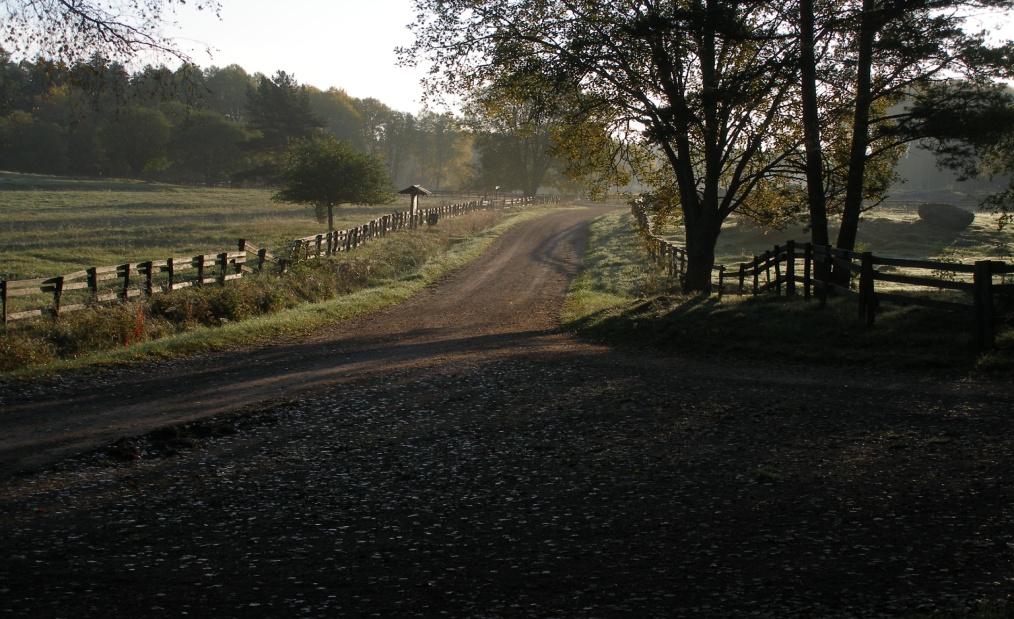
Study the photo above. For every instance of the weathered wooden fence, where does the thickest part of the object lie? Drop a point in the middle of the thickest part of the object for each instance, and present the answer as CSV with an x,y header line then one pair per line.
x,y
96,285
328,243
785,269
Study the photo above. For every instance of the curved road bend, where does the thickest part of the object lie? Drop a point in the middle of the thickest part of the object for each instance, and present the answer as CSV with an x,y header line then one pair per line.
x,y
457,455
505,303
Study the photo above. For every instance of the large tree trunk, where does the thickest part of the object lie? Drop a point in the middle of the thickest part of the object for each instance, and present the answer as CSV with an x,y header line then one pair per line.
x,y
860,132
330,218
701,219
702,235
814,164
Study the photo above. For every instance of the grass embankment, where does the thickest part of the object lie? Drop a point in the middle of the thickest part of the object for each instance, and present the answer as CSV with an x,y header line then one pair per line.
x,y
894,230
54,225
620,298
257,308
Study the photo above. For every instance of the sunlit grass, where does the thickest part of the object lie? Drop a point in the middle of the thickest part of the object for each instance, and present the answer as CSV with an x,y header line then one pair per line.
x,y
53,225
620,298
451,245
890,230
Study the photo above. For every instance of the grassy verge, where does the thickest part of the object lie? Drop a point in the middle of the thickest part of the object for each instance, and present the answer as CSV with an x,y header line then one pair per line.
x,y
619,298
312,295
53,225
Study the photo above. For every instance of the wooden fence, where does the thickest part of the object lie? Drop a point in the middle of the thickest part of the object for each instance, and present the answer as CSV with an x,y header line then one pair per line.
x,y
785,269
328,243
96,285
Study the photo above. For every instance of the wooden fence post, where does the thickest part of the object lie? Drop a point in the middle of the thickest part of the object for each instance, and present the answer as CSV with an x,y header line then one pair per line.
x,y
982,291
3,301
223,264
262,254
93,283
126,282
790,269
200,269
807,269
57,295
721,279
824,272
778,270
170,271
320,241
149,283
756,274
742,276
867,298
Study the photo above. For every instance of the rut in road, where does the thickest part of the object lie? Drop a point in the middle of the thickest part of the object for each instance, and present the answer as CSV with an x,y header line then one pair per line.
x,y
507,302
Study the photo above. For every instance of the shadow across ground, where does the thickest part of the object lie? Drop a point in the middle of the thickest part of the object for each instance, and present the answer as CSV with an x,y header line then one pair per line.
x,y
534,487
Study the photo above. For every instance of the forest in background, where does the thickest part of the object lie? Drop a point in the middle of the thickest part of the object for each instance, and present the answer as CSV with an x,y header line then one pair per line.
x,y
223,126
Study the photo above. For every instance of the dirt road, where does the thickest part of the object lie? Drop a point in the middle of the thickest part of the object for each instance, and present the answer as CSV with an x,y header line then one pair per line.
x,y
458,455
505,303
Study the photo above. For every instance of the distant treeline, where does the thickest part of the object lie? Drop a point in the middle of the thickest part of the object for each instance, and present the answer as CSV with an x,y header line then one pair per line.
x,y
219,125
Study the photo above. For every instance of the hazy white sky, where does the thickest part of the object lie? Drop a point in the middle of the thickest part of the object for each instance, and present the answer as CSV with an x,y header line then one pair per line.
x,y
348,44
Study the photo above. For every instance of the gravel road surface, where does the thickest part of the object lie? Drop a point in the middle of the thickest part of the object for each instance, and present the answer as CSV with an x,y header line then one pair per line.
x,y
458,455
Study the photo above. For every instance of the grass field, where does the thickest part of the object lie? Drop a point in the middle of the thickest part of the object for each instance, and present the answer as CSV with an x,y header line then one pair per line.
x,y
53,225
258,308
890,230
621,298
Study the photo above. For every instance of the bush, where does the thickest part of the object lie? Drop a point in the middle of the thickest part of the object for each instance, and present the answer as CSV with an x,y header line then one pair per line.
x,y
103,328
946,216
18,351
182,307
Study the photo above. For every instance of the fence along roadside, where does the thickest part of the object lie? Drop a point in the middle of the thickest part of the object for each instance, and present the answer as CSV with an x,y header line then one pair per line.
x,y
783,261
106,284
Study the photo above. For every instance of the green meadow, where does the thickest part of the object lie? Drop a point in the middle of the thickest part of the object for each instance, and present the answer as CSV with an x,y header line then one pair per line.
x,y
53,225
621,298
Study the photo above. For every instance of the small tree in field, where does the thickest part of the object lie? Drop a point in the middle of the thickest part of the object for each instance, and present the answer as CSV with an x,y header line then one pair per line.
x,y
325,172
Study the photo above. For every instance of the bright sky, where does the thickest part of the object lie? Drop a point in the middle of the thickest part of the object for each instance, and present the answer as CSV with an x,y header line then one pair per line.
x,y
347,44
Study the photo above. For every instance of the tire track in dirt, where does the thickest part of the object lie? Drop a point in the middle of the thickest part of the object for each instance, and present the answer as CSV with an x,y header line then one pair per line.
x,y
505,303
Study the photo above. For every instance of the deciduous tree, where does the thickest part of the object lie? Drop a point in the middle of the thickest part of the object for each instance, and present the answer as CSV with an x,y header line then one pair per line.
x,y
702,82
206,146
134,139
323,171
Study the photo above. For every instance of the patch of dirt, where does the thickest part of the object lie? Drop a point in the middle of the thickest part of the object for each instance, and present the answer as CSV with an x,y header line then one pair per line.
x,y
458,455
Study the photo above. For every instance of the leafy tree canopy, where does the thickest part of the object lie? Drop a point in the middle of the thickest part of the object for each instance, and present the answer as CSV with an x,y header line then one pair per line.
x,y
323,171
701,83
971,130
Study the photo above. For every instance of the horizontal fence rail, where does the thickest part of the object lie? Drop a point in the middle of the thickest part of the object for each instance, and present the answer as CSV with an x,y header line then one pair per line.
x,y
332,242
819,270
109,284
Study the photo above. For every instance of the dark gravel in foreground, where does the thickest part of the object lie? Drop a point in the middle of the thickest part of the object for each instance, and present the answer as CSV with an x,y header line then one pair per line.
x,y
534,488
